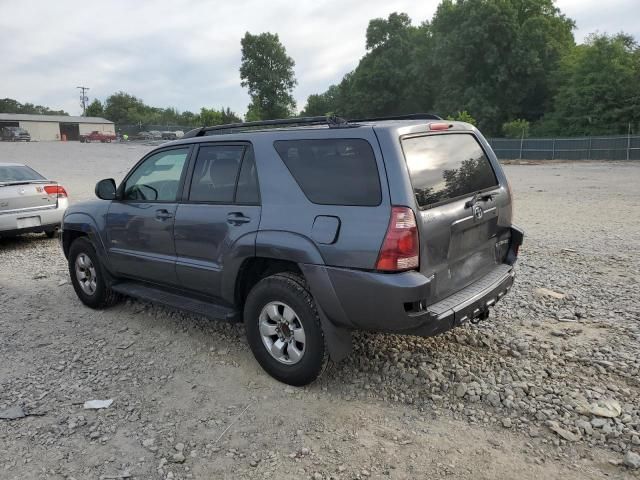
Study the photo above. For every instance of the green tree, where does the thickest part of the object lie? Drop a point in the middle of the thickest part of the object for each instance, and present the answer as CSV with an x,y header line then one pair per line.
x,y
494,57
123,108
210,117
229,116
516,128
385,80
95,109
599,90
382,83
463,116
9,105
267,71
322,103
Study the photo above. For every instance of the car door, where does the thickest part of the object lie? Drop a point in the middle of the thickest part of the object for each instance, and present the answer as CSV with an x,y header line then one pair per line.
x,y
139,223
221,205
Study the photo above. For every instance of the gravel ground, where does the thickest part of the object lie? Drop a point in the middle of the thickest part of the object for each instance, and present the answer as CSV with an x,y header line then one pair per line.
x,y
548,388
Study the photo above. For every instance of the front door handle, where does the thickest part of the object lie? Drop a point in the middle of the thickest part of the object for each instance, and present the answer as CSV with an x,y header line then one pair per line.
x,y
163,214
237,218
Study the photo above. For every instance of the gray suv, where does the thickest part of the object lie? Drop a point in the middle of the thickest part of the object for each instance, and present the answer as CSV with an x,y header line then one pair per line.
x,y
305,229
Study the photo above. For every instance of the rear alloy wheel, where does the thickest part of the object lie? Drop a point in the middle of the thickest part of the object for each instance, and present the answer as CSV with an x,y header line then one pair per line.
x,y
87,276
282,333
284,330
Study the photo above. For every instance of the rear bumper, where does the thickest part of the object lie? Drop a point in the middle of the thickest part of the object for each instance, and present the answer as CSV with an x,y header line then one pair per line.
x,y
397,303
47,219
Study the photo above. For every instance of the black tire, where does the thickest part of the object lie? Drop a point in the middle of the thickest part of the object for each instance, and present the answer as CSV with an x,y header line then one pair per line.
x,y
103,296
292,290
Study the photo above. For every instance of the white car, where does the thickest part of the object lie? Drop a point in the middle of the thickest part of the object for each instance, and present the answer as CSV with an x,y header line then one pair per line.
x,y
29,202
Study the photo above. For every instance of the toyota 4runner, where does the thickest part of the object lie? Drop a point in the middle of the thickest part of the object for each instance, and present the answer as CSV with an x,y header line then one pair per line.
x,y
306,229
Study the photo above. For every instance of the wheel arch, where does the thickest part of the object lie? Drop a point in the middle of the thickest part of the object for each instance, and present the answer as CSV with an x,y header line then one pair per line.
x,y
77,225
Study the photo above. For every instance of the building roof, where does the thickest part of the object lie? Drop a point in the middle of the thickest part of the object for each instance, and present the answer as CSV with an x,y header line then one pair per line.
x,y
22,117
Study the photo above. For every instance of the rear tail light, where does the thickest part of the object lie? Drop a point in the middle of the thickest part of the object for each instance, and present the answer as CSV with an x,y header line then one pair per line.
x,y
401,247
56,190
511,199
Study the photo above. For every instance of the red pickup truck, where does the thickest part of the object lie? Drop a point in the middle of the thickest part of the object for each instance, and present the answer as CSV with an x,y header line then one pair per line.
x,y
97,136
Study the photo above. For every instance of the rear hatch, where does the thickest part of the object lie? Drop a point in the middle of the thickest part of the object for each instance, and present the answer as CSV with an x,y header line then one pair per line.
x,y
463,212
21,188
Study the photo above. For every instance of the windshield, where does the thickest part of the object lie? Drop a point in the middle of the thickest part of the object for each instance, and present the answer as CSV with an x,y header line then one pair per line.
x,y
444,167
18,173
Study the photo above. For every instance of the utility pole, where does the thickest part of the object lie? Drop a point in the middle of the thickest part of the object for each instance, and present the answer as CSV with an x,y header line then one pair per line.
x,y
83,100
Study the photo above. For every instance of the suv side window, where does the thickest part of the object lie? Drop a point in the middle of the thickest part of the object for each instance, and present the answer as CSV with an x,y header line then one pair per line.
x,y
158,177
248,191
333,172
215,173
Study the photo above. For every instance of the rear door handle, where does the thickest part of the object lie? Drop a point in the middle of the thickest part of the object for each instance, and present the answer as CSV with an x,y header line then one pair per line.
x,y
237,218
163,214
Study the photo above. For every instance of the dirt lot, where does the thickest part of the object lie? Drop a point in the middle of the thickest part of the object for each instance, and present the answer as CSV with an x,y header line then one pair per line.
x,y
514,397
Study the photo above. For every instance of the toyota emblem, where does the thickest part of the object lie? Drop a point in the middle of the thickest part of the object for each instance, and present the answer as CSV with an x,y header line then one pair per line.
x,y
478,212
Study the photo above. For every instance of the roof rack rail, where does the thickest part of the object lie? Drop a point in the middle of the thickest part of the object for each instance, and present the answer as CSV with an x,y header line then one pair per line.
x,y
410,116
331,121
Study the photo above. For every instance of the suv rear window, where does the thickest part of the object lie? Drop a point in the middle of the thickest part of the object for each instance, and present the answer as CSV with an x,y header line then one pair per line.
x,y
447,166
333,171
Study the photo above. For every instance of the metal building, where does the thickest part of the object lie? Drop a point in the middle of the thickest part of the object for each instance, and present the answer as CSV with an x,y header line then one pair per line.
x,y
56,127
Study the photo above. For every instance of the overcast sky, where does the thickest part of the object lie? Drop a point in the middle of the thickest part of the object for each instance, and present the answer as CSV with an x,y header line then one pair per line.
x,y
186,53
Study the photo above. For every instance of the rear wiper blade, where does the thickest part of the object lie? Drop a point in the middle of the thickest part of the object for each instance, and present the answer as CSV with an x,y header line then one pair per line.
x,y
481,196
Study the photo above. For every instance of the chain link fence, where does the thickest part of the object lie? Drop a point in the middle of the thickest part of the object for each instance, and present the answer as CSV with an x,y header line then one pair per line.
x,y
623,147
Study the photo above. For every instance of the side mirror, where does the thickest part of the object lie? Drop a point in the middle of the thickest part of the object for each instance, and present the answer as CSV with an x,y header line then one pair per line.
x,y
106,189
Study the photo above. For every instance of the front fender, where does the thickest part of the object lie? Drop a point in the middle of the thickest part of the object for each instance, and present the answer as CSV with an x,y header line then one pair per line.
x,y
87,225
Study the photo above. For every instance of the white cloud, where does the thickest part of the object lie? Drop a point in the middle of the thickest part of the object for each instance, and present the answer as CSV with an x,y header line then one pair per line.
x,y
186,53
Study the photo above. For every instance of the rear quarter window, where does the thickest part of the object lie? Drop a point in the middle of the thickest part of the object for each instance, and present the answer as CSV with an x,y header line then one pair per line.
x,y
446,166
333,171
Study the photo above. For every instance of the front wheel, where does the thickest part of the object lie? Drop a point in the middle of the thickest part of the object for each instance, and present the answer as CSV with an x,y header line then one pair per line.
x,y
284,330
88,277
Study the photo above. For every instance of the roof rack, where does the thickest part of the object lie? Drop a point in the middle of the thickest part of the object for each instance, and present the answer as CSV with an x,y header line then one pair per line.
x,y
411,116
331,121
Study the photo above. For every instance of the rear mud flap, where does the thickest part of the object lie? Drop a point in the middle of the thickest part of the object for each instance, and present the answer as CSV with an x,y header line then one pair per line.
x,y
338,339
517,237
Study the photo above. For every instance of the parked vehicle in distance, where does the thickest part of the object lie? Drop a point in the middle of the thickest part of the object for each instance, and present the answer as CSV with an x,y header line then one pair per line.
x,y
156,134
15,134
179,133
169,136
29,202
306,232
142,136
97,136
